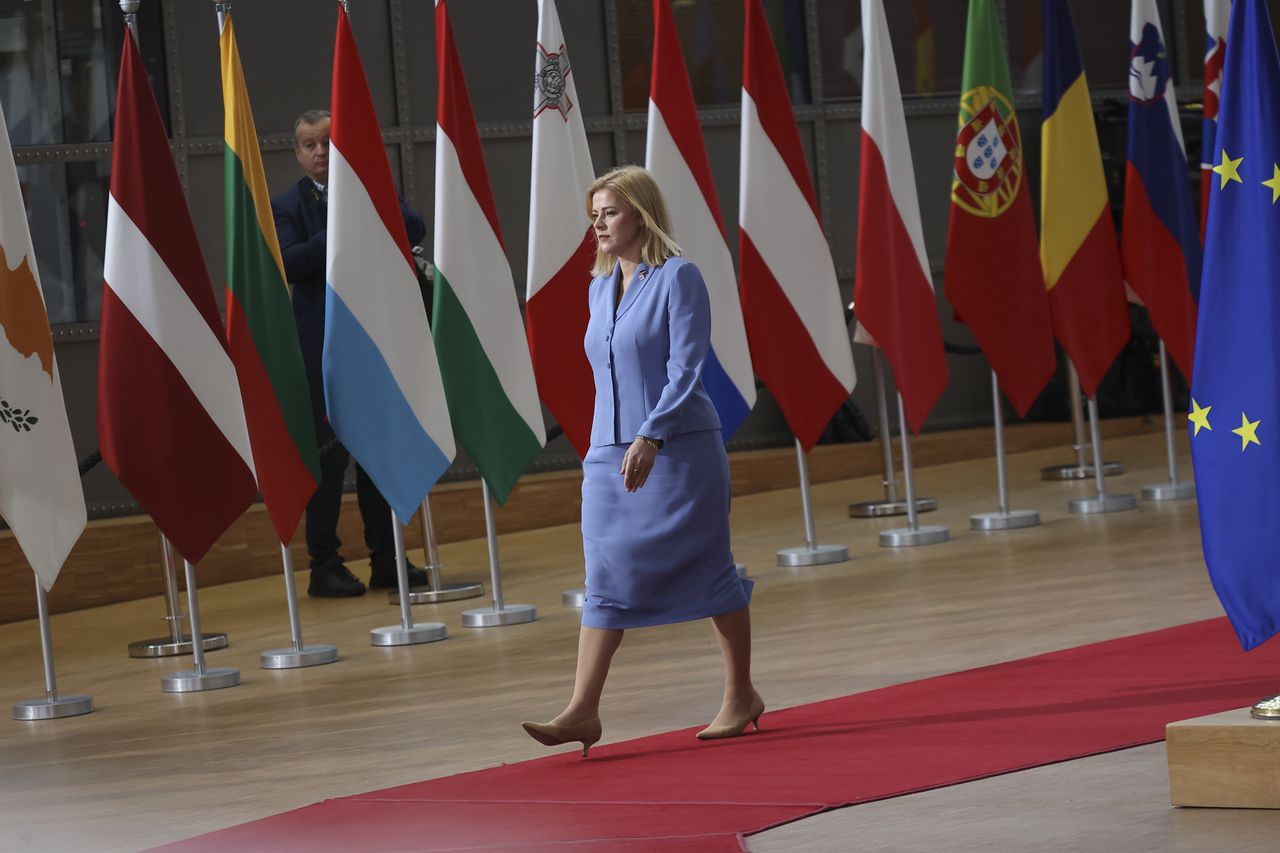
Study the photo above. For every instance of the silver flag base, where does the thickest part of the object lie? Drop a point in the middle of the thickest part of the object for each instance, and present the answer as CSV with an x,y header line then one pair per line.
x,y
905,537
816,556
1169,491
1106,503
741,570
1011,520
573,598
398,635
190,681
163,647
53,709
489,617
1079,472
292,658
882,509
445,592
1266,709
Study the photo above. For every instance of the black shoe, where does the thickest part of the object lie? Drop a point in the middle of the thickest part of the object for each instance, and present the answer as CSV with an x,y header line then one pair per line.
x,y
334,581
385,578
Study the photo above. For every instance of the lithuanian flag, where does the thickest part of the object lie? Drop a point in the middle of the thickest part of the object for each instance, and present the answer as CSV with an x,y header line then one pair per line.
x,y
260,329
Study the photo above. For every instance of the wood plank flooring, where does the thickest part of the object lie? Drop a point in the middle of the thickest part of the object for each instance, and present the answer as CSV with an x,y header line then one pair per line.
x,y
150,767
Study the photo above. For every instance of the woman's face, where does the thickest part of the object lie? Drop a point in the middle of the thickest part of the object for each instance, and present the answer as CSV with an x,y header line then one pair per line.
x,y
617,225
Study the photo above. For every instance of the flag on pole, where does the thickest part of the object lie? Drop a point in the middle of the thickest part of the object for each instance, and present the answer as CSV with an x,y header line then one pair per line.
x,y
484,355
992,276
893,290
260,330
561,245
1235,406
1159,244
40,494
790,297
1216,15
171,422
677,156
1077,235
381,380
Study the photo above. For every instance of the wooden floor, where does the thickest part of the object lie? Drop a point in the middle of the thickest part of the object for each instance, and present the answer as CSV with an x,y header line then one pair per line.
x,y
150,767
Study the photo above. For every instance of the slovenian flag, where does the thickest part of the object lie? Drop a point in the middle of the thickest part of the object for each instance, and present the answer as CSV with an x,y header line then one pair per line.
x,y
381,380
1217,16
790,296
1160,244
677,157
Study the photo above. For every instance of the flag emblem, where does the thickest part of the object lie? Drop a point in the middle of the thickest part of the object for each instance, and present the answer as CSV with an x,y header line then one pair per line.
x,y
988,170
552,82
1148,67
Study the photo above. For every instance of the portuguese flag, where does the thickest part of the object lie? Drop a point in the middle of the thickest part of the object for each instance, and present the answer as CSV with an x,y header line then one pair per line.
x,y
993,277
260,328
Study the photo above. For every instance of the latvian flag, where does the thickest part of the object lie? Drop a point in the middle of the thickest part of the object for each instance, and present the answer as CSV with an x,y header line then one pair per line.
x,y
561,246
381,381
677,157
170,420
1160,246
893,292
790,296
1217,17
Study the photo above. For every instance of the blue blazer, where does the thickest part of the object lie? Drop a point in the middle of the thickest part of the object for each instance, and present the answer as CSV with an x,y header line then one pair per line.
x,y
647,354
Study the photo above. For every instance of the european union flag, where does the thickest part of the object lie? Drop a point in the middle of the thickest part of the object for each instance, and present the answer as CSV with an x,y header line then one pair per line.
x,y
1235,407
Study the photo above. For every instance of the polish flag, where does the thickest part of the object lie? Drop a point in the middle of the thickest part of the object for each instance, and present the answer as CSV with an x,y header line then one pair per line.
x,y
561,245
171,423
790,296
677,157
893,291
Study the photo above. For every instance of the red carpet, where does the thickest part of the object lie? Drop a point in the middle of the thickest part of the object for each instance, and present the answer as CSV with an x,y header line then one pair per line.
x,y
671,793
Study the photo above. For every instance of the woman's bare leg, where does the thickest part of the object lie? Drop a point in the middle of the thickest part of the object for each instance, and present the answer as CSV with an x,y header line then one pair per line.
x,y
733,630
595,653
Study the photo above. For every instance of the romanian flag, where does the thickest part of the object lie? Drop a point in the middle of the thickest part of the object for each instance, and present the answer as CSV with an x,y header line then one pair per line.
x,y
260,328
1078,248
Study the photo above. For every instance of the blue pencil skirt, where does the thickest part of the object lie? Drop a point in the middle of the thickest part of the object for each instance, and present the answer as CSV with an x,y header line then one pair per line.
x,y
659,554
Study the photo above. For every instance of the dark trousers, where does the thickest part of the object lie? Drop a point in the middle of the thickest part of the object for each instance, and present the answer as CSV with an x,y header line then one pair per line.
x,y
325,505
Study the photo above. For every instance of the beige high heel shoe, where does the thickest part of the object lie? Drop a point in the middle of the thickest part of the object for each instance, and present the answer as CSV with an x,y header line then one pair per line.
x,y
737,727
550,734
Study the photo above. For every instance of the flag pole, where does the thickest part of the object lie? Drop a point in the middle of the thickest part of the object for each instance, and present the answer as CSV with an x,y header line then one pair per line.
x,y
1081,470
200,678
1004,519
299,654
1172,490
1102,502
52,706
436,589
891,505
913,533
406,633
501,613
812,554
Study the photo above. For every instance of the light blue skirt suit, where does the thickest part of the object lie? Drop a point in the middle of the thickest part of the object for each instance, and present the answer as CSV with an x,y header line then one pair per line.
x,y
660,554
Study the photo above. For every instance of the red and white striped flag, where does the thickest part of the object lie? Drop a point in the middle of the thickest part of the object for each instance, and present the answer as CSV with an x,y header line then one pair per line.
x,y
790,296
171,423
893,291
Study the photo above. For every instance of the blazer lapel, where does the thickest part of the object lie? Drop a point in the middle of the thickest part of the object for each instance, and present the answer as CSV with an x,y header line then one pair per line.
x,y
638,282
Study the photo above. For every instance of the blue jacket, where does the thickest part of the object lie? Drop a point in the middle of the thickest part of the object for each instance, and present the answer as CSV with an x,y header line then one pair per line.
x,y
647,357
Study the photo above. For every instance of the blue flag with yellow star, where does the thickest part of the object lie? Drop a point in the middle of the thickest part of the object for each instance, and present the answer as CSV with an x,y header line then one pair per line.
x,y
1235,407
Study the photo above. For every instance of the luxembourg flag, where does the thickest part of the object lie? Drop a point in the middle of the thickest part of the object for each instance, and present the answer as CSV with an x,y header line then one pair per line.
x,y
1160,244
790,296
381,381
677,157
1217,16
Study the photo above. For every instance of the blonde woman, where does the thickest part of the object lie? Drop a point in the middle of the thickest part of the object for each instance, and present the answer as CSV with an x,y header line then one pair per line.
x,y
655,488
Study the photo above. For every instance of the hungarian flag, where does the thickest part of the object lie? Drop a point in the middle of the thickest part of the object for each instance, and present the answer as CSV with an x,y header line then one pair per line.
x,y
171,423
677,156
893,291
484,355
561,245
1217,15
1078,247
790,296
992,277
381,381
40,495
260,328
1160,241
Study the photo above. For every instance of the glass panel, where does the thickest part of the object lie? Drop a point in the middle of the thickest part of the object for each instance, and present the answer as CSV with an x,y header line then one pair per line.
x,y
88,185
86,105
27,75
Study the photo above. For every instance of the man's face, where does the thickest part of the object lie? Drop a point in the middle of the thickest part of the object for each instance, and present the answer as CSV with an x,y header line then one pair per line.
x,y
311,147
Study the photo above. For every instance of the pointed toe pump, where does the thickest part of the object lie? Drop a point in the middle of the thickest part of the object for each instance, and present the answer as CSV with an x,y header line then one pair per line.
x,y
550,734
737,727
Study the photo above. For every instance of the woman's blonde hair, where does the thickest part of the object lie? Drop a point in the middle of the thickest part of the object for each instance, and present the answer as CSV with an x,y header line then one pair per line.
x,y
639,189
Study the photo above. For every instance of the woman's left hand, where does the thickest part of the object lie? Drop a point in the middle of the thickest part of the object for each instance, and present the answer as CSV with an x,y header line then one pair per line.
x,y
637,463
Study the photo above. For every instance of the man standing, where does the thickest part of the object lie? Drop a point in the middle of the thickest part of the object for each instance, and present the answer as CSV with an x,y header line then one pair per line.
x,y
301,214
